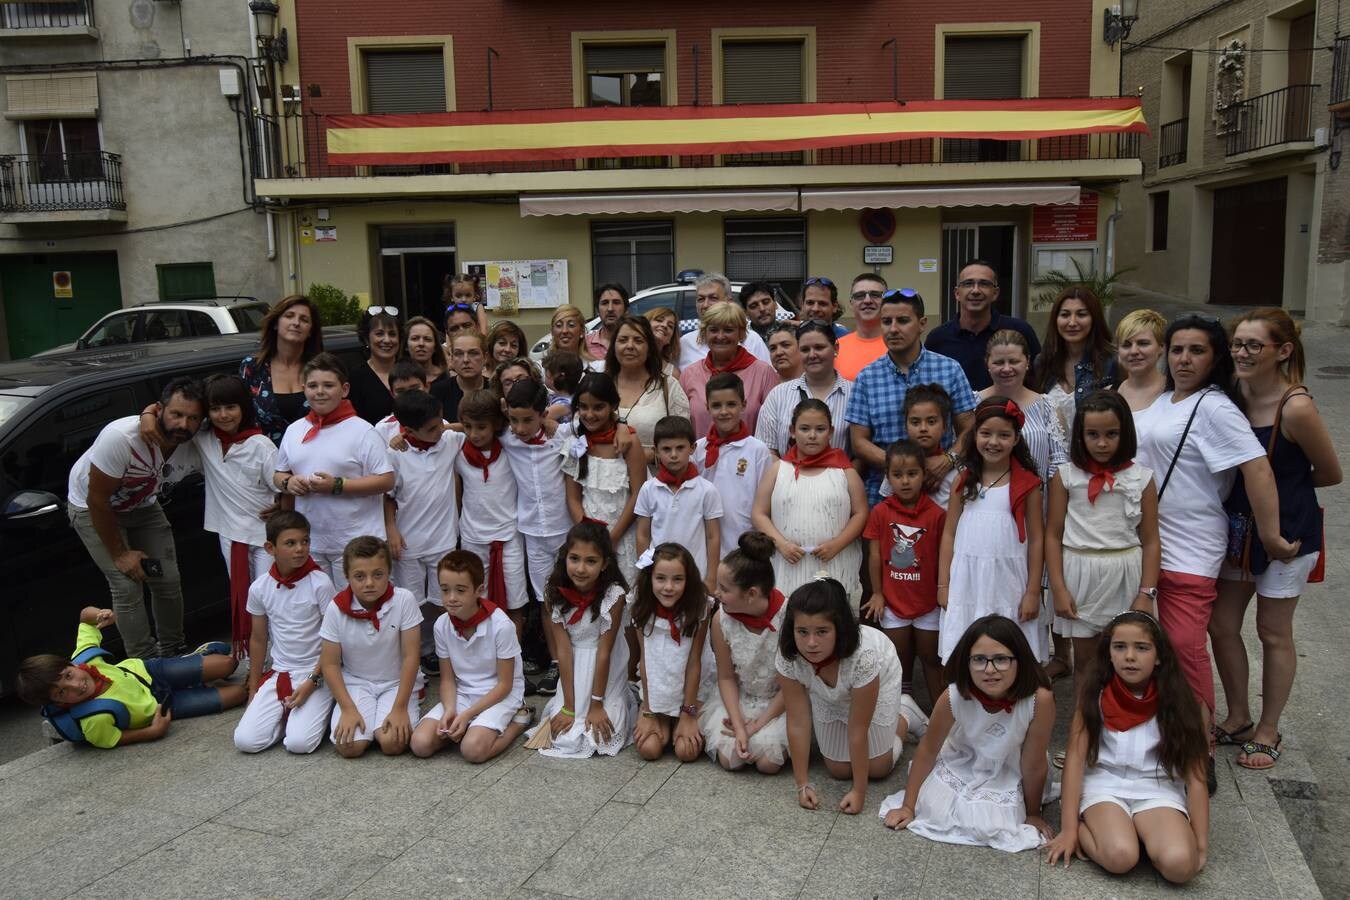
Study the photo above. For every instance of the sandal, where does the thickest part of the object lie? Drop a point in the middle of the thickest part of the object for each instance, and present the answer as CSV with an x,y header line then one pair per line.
x,y
1058,759
524,716
1223,738
1251,748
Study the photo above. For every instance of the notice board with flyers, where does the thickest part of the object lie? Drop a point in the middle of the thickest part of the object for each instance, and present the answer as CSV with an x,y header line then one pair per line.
x,y
509,286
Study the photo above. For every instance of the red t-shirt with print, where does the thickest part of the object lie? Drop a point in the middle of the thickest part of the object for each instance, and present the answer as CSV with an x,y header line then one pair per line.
x,y
908,540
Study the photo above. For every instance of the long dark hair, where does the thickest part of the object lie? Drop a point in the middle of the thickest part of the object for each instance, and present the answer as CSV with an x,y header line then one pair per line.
x,y
1054,350
692,607
1222,374
1103,401
1183,747
589,533
991,408
601,387
654,363
267,339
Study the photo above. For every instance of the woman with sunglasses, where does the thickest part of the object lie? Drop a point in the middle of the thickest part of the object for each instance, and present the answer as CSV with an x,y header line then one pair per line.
x,y
817,345
290,336
1268,355
381,334
1197,440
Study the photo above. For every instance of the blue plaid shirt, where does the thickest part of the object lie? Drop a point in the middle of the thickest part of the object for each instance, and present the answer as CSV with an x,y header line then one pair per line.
x,y
878,400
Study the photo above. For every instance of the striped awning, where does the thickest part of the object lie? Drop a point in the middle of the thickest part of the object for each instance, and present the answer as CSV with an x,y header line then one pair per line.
x,y
580,133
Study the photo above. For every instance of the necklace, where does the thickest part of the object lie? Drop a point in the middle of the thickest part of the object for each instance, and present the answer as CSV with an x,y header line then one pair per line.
x,y
985,488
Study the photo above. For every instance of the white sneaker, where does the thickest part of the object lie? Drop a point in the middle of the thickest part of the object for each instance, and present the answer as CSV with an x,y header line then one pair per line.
x,y
914,717
50,733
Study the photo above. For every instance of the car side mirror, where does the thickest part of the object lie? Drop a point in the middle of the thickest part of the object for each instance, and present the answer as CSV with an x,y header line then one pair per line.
x,y
31,508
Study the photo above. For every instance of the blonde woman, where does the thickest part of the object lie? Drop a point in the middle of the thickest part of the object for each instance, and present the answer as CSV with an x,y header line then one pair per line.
x,y
722,329
1139,353
568,328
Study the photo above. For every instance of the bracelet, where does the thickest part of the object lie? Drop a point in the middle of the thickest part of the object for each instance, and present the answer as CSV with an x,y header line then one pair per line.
x,y
567,712
337,485
941,586
648,714
285,482
806,787
598,698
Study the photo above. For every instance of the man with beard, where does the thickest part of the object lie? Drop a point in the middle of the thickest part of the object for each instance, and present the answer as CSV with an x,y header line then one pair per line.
x,y
113,504
611,302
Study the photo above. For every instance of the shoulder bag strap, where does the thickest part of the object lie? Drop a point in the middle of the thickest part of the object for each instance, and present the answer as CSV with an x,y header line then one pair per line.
x,y
1182,443
1279,415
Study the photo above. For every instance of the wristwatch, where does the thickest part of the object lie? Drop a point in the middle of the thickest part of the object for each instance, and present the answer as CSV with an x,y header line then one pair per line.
x,y
691,709
954,458
317,678
1150,593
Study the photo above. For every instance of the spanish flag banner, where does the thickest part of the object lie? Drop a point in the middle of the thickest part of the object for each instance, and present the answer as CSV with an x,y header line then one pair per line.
x,y
550,134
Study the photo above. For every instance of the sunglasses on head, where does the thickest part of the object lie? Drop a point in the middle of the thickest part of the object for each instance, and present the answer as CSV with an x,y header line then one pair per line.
x,y
818,279
459,307
907,293
382,310
810,324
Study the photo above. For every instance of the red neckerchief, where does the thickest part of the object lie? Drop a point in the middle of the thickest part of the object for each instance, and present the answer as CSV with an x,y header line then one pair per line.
x,y
669,616
496,574
715,441
228,440
823,663
417,443
241,620
463,626
474,457
290,581
1122,710
831,458
350,606
665,476
991,704
538,439
601,438
101,682
318,423
743,359
776,601
897,506
1103,477
578,601
1023,482
392,419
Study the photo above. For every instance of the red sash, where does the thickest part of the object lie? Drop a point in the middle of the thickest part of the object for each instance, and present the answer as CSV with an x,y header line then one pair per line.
x,y
241,621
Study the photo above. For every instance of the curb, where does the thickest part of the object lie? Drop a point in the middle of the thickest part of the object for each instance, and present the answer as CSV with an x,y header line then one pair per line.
x,y
1285,807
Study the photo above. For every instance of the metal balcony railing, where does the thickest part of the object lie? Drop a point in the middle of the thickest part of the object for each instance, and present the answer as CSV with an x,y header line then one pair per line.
x,y
61,182
1340,71
1172,143
18,17
1267,120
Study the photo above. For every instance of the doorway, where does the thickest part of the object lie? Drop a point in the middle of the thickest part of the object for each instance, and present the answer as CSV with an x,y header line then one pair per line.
x,y
1248,226
51,298
995,242
415,261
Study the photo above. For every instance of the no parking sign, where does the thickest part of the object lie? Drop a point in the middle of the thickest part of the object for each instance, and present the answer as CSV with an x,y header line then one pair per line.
x,y
876,225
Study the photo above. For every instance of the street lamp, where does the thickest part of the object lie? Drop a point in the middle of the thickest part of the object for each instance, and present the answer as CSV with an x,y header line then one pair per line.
x,y
1118,19
265,17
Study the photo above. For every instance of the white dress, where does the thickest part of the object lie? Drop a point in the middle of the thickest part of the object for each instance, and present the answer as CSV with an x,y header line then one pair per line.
x,y
809,511
988,574
578,741
874,660
1102,558
974,794
1127,769
752,655
604,493
665,662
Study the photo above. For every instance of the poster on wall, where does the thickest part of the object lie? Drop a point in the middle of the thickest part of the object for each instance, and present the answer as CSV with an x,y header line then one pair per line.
x,y
1065,223
509,286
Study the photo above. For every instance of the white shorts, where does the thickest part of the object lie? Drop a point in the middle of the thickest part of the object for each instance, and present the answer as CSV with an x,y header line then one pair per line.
x,y
926,622
258,559
542,552
331,563
374,703
1132,807
417,575
496,717
1280,580
832,738
513,562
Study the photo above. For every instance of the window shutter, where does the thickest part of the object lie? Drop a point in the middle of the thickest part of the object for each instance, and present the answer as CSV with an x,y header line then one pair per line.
x,y
186,281
762,72
405,82
51,96
625,58
983,68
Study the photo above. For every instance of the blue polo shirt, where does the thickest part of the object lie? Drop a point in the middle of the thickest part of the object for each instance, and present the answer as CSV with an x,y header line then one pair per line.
x,y
967,347
878,400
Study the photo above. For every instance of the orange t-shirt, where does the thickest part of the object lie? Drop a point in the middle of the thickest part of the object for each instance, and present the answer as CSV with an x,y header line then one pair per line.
x,y
856,352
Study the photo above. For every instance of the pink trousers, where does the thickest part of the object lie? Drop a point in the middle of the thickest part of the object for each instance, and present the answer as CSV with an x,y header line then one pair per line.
x,y
1185,604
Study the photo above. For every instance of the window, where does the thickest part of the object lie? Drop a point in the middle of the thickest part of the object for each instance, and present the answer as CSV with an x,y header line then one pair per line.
x,y
1158,207
166,324
767,250
62,150
406,81
625,75
118,329
44,14
186,281
248,319
763,72
982,68
635,254
202,323
41,457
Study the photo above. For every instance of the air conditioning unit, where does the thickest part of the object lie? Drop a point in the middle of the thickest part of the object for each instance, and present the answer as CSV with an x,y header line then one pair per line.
x,y
290,94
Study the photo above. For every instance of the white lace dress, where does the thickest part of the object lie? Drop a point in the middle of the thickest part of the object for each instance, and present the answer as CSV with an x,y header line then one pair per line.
x,y
874,659
578,742
809,511
604,493
974,793
664,663
752,655
988,574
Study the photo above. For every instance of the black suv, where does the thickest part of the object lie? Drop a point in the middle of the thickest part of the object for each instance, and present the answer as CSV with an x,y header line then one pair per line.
x,y
51,409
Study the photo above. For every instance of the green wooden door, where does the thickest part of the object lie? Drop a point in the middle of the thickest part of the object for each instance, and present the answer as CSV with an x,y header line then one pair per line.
x,y
37,315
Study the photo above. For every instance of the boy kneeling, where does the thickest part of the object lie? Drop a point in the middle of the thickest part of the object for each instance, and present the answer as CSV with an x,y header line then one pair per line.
x,y
482,684
88,698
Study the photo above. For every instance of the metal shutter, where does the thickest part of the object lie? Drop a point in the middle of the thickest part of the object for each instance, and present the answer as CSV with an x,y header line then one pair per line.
x,y
762,72
985,68
766,250
625,57
405,82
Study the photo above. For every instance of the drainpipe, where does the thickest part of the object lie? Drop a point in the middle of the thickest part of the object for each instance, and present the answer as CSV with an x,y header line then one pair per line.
x,y
263,142
1111,237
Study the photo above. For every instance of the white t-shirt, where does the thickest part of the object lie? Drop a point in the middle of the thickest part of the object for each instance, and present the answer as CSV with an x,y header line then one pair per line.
x,y
238,485
293,617
541,498
475,660
740,465
489,507
119,451
424,489
349,449
691,351
1191,519
369,654
678,517
386,428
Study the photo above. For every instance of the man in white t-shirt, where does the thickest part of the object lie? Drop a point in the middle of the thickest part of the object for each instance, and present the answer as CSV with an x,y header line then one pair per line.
x,y
711,289
113,504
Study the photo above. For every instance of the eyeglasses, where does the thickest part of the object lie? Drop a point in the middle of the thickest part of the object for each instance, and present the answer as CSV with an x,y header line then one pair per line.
x,y
863,295
980,662
818,279
1253,348
983,284
382,310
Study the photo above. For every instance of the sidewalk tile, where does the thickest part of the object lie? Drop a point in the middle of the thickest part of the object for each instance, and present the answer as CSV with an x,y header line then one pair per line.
x,y
863,858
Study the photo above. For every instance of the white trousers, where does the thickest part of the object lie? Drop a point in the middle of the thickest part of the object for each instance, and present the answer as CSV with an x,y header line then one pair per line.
x,y
258,559
542,553
513,562
265,720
